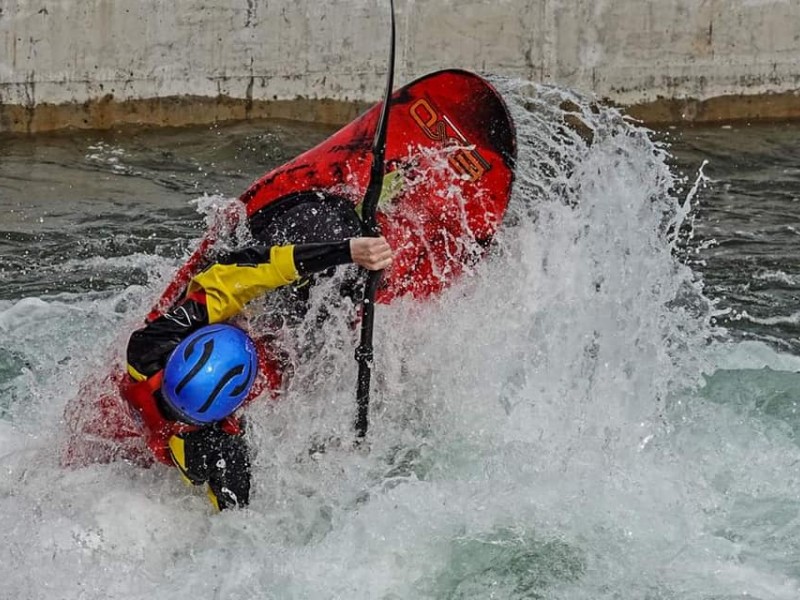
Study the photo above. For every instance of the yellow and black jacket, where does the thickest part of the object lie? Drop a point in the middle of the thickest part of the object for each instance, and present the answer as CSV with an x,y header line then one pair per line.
x,y
216,294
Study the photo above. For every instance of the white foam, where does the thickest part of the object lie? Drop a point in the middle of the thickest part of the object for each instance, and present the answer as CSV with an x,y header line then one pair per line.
x,y
753,355
10,439
535,431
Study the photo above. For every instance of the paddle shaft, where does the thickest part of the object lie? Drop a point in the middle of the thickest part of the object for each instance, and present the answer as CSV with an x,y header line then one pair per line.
x,y
364,352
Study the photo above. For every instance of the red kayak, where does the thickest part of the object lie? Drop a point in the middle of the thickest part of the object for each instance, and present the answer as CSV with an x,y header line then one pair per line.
x,y
450,154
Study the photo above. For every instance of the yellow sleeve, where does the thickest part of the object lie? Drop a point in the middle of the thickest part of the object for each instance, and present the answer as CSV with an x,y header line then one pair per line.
x,y
229,287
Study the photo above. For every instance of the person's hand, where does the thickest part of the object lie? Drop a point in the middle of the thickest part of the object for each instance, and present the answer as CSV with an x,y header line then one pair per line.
x,y
372,253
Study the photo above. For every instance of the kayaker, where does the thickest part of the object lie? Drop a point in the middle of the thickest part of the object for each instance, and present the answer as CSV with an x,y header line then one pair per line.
x,y
189,371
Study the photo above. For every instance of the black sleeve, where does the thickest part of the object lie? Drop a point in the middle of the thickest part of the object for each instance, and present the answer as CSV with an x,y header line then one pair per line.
x,y
229,471
149,347
312,258
308,258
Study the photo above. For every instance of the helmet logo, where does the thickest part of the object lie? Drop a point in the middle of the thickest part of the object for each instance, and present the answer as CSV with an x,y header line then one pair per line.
x,y
208,348
222,382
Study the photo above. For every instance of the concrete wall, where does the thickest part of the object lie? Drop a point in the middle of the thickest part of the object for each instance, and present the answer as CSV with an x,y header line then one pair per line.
x,y
93,63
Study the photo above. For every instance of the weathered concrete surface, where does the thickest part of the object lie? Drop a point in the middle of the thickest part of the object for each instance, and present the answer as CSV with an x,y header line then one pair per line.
x,y
92,63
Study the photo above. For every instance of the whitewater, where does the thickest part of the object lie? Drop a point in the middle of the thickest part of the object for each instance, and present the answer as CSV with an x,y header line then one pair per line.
x,y
576,418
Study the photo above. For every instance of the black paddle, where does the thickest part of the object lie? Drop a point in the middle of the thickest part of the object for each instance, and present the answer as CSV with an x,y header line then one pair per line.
x,y
368,208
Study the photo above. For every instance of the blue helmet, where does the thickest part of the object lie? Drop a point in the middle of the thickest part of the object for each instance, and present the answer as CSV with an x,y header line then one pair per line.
x,y
209,374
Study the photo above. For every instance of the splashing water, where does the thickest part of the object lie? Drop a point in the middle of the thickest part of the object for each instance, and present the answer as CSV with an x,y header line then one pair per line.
x,y
543,429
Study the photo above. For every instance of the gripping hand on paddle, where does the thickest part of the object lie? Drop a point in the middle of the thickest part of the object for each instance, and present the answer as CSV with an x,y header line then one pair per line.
x,y
372,253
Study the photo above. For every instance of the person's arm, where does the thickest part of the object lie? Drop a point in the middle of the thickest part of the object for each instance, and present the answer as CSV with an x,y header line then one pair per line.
x,y
238,278
218,458
150,346
242,276
222,290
